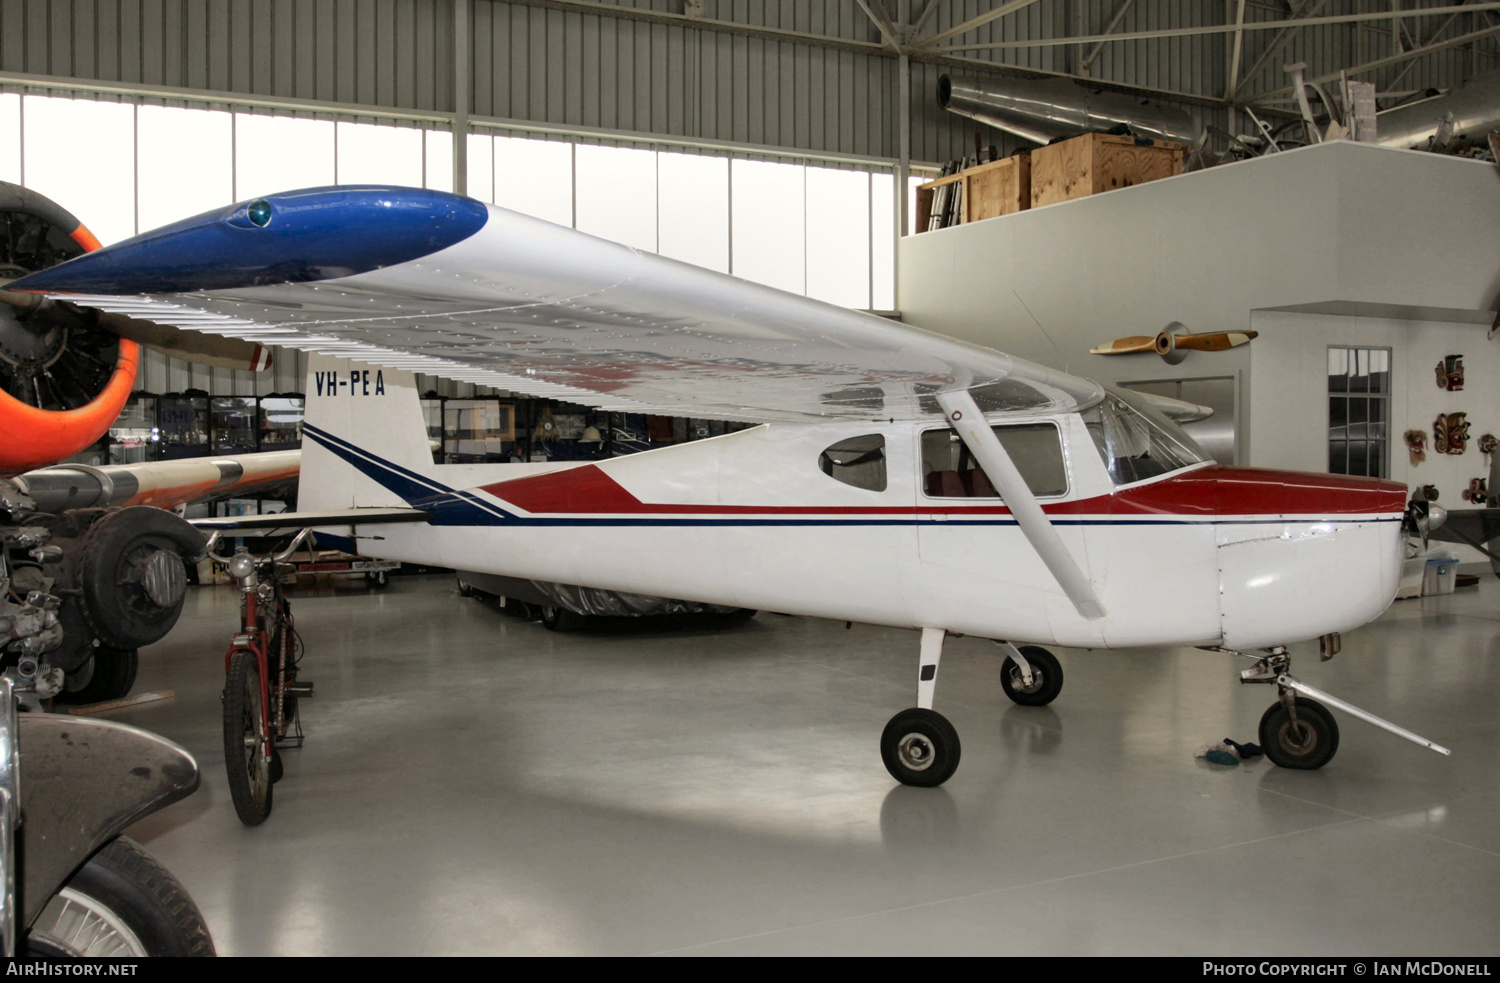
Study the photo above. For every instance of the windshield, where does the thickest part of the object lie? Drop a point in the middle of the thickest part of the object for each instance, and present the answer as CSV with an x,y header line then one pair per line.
x,y
1135,440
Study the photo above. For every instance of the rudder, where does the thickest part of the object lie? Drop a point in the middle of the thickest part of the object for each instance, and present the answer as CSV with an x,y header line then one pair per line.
x,y
364,438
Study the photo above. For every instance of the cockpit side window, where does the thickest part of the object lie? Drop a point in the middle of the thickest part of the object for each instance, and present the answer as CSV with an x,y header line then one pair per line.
x,y
950,471
1136,441
857,461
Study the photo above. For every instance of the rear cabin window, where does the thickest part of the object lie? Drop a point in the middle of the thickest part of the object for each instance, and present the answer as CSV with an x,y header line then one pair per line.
x,y
950,471
858,461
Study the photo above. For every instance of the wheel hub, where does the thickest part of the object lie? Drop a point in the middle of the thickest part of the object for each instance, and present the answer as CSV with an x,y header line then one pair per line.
x,y
1299,737
164,578
1018,681
916,752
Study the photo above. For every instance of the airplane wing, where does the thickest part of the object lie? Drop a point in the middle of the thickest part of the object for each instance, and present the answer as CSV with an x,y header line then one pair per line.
x,y
161,483
445,285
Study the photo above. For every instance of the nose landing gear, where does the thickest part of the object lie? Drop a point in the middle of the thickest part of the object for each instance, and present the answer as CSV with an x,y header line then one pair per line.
x,y
1298,731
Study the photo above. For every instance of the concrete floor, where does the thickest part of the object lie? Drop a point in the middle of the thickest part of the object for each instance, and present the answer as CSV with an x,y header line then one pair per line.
x,y
474,784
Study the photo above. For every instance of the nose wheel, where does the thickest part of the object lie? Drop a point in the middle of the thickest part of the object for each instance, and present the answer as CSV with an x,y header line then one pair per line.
x,y
1306,742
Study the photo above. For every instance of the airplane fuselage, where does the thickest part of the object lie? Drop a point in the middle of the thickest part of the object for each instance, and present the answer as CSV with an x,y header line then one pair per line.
x,y
1203,555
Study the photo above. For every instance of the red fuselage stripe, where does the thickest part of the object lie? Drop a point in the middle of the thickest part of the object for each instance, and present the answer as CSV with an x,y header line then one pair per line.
x,y
1205,492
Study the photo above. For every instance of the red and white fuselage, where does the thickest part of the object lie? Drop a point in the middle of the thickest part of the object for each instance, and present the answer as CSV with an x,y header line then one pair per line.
x,y
1203,555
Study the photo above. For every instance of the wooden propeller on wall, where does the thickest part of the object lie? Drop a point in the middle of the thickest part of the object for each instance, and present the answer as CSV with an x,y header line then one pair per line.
x,y
1174,342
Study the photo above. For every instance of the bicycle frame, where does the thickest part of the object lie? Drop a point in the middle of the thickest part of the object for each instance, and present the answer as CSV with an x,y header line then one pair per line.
x,y
253,636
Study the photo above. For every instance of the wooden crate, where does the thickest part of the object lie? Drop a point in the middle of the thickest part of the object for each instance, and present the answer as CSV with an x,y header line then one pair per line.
x,y
1098,162
997,188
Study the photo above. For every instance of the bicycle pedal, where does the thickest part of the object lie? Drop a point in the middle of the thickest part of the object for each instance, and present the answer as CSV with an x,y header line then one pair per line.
x,y
298,687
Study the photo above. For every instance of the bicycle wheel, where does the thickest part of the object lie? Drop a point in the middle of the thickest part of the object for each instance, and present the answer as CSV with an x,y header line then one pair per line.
x,y
244,741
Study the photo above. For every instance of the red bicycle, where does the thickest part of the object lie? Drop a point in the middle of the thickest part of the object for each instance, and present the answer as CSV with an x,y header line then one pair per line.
x,y
261,686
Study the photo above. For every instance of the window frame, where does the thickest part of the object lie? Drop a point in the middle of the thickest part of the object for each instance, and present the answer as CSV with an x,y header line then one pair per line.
x,y
885,461
1062,446
1382,399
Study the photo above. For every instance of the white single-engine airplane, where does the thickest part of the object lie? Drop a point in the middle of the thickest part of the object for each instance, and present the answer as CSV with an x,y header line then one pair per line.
x,y
901,478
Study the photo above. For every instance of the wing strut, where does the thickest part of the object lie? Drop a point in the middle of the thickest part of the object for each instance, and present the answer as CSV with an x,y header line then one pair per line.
x,y
964,416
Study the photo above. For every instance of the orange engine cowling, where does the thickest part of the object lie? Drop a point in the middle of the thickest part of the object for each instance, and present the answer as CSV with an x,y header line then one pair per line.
x,y
63,377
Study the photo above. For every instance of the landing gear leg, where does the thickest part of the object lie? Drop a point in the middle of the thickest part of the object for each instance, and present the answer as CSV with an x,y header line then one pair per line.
x,y
919,746
1298,731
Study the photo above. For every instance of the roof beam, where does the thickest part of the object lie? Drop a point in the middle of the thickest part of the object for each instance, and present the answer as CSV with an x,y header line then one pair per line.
x,y
878,16
1308,8
1371,66
708,24
983,19
1181,32
1234,57
1114,22
921,24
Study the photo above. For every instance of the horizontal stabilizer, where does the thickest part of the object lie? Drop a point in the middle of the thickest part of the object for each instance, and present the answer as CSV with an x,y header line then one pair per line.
x,y
309,520
1178,410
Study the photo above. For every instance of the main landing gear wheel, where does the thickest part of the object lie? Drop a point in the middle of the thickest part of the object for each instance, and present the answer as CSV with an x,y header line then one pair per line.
x,y
244,738
561,619
1308,743
920,747
1046,677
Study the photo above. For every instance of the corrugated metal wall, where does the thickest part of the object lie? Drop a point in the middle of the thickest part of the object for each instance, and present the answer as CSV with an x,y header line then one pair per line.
x,y
394,53
561,66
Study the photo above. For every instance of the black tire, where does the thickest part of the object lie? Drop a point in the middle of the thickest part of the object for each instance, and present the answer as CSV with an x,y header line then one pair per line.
x,y
111,678
120,888
1046,677
561,619
121,549
249,772
920,747
277,767
1310,744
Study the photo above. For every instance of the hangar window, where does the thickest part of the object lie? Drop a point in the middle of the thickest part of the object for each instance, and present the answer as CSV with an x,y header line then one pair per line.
x,y
858,461
1359,396
950,471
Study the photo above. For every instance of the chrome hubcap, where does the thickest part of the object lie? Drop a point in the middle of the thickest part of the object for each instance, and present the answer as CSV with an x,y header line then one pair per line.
x,y
916,752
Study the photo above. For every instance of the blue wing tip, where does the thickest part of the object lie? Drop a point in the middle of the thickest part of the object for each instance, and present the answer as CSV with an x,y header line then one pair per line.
x,y
287,237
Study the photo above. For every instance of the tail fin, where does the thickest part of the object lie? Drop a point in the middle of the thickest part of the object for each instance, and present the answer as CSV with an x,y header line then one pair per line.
x,y
364,439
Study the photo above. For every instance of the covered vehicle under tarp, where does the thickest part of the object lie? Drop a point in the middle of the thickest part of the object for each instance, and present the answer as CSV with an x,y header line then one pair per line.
x,y
585,600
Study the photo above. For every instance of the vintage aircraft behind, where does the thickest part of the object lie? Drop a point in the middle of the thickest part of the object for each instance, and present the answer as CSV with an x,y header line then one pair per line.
x,y
901,478
88,574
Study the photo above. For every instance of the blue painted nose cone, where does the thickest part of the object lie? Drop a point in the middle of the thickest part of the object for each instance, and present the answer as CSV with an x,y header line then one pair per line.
x,y
293,237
